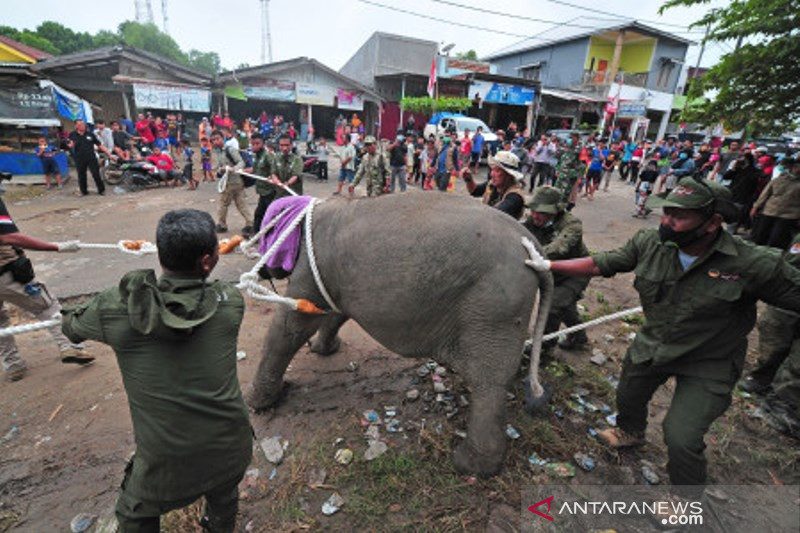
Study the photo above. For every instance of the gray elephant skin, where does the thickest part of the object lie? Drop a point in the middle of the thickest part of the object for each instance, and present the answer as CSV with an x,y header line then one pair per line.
x,y
427,276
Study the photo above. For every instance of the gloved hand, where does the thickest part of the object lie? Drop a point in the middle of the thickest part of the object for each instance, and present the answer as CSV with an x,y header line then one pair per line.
x,y
536,261
68,246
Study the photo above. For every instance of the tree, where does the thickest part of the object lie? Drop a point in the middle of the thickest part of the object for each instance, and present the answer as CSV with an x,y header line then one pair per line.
x,y
40,43
207,62
148,37
469,55
758,85
8,31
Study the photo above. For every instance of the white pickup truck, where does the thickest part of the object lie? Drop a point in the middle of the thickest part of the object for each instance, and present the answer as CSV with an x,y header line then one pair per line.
x,y
441,122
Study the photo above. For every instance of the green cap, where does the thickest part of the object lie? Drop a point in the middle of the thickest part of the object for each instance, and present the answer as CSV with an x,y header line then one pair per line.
x,y
689,194
546,200
369,139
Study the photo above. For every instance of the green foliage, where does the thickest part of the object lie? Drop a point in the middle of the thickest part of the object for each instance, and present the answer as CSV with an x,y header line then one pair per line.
x,y
469,55
149,38
8,31
758,85
425,104
207,62
31,39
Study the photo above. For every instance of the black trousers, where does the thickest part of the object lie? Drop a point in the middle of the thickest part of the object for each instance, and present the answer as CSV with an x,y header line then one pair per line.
x,y
91,163
323,170
774,231
261,209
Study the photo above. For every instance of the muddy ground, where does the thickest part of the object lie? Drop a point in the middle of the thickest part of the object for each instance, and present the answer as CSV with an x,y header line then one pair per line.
x,y
65,432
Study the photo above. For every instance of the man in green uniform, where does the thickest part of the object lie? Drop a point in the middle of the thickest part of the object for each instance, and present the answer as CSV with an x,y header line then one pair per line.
x,y
561,235
175,341
262,166
699,287
287,168
227,160
374,167
569,170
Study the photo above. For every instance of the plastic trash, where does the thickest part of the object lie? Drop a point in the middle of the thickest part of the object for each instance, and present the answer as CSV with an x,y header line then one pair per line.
x,y
613,381
608,337
535,460
371,417
10,435
512,432
598,357
317,477
352,366
389,411
332,504
393,426
560,469
372,433
461,434
592,432
423,371
649,474
343,456
119,190
440,371
375,449
82,522
584,461
612,420
412,395
273,474
605,409
241,355
559,413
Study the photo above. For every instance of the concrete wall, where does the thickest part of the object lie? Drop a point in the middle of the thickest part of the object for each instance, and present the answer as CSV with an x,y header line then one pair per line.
x,y
666,48
399,54
563,67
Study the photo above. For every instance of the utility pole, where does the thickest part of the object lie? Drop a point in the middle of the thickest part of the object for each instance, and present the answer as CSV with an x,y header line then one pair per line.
x,y
164,16
144,11
266,38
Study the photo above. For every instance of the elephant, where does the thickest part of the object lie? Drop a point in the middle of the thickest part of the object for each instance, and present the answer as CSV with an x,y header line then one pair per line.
x,y
427,276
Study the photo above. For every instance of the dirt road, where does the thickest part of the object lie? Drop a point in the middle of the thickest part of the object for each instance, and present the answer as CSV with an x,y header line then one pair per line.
x,y
65,432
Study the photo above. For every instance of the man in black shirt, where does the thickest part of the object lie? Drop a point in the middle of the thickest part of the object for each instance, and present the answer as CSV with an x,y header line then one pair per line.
x,y
82,143
503,190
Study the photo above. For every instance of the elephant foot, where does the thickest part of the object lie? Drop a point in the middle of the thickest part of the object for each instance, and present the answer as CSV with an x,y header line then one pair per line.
x,y
263,398
320,348
537,406
468,461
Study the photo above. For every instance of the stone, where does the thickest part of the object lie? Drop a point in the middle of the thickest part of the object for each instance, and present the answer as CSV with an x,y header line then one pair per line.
x,y
273,449
598,357
412,395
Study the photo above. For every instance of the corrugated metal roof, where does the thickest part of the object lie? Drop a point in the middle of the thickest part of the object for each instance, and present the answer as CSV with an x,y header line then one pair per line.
x,y
29,51
560,34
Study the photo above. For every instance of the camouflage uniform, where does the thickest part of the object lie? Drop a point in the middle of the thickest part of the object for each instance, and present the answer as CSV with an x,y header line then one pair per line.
x,y
374,168
569,170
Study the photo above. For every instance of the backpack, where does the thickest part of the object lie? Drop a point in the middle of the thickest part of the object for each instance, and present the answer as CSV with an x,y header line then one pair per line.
x,y
247,181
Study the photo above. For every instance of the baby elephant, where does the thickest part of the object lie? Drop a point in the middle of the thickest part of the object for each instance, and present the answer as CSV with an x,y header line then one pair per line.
x,y
427,276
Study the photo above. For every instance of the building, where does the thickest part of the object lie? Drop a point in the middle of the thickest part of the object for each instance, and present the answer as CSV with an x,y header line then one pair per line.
x,y
631,67
122,80
396,66
302,90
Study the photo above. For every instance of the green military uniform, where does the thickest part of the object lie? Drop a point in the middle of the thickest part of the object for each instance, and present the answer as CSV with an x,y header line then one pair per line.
x,y
696,326
563,239
175,342
286,166
375,168
262,166
569,170
779,361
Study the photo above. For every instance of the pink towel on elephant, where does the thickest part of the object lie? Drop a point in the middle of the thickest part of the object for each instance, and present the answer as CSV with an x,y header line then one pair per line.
x,y
286,254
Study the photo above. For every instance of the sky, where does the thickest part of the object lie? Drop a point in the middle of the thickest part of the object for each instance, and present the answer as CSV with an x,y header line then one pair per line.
x,y
331,31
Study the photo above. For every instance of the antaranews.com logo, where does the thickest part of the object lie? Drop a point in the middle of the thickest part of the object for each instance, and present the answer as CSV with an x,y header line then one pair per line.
x,y
669,512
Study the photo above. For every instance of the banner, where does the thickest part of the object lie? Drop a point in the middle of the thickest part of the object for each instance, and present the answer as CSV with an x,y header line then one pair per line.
x,y
501,93
282,91
172,98
347,99
308,93
23,104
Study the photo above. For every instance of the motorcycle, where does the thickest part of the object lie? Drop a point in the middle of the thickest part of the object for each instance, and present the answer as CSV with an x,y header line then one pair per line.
x,y
310,160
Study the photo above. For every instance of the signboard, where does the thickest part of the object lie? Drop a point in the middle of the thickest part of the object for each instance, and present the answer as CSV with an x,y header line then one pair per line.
x,y
631,109
346,99
501,93
308,93
172,98
282,91
18,105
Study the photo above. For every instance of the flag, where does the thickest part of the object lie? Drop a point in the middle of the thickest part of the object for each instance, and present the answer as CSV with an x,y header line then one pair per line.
x,y
432,78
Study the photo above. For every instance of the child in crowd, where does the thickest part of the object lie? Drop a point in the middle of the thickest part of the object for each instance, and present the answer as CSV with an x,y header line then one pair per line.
x,y
644,188
205,159
188,167
47,154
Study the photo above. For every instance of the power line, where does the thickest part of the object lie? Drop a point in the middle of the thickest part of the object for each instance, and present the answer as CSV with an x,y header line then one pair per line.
x,y
470,26
515,17
576,6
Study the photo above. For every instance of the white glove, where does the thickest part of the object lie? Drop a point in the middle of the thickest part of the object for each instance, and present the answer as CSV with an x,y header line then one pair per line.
x,y
68,246
536,261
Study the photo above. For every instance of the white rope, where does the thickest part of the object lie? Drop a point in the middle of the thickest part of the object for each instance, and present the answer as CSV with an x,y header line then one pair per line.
x,y
26,328
222,183
592,323
313,263
248,247
145,248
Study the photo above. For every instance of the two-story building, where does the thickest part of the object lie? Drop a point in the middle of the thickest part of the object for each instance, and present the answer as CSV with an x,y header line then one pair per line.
x,y
633,67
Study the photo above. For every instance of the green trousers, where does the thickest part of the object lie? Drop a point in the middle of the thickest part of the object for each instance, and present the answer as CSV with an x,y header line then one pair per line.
x,y
777,329
565,307
696,403
786,385
135,515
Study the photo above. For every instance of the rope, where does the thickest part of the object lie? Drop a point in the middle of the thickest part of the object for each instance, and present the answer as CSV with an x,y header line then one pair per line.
x,y
145,248
592,323
313,263
222,184
26,328
248,247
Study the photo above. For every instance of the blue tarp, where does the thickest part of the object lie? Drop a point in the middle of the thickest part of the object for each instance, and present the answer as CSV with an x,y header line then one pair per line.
x,y
22,164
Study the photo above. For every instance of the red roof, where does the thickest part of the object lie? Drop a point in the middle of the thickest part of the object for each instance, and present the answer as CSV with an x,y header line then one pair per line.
x,y
36,54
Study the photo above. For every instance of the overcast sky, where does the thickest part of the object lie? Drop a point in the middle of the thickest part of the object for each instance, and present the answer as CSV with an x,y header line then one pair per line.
x,y
332,30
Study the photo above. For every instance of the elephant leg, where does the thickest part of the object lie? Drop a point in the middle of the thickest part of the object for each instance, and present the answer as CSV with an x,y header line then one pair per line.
x,y
327,341
488,367
287,333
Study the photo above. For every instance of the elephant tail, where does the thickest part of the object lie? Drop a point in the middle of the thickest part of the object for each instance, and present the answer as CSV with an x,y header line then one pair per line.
x,y
537,331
